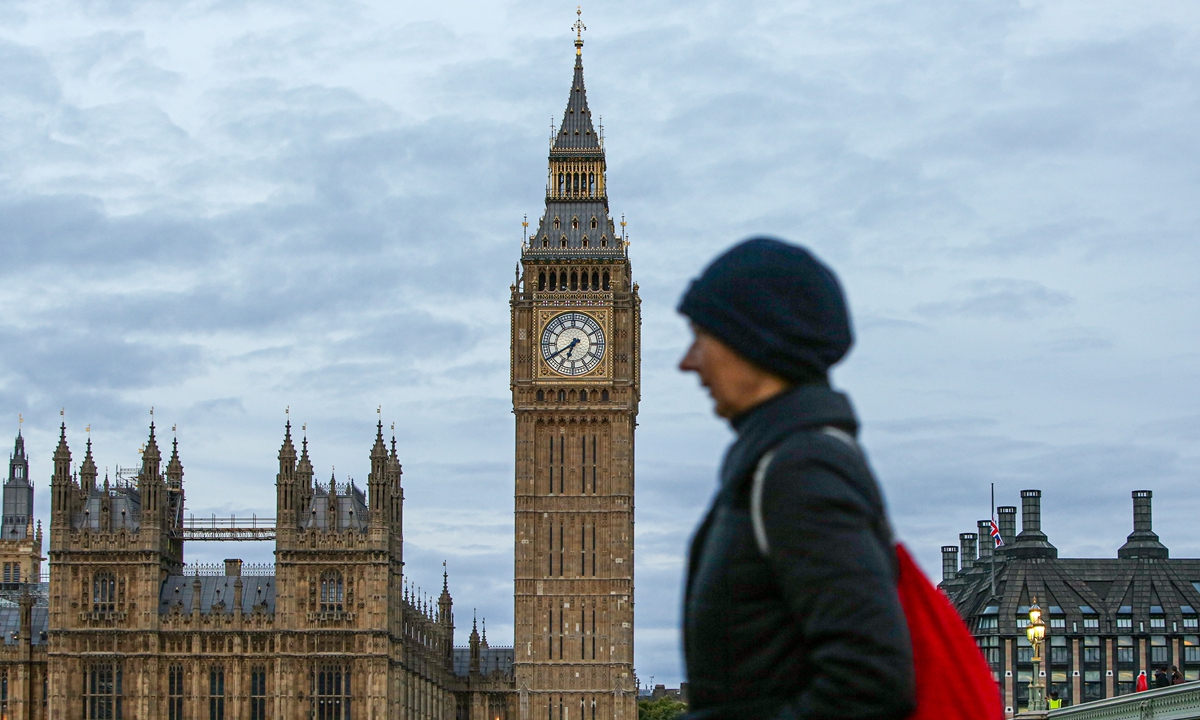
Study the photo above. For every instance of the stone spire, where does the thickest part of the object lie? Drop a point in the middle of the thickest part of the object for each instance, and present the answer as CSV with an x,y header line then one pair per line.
x,y
87,469
62,491
18,494
474,646
377,482
286,496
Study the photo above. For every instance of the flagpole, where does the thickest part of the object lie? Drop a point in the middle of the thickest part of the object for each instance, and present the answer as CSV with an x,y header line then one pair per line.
x,y
994,548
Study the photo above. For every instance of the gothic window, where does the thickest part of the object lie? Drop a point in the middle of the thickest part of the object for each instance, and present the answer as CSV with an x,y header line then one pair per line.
x,y
574,281
556,223
331,693
592,187
175,693
216,693
104,592
541,281
583,276
545,242
541,396
551,553
562,397
562,552
552,479
553,280
593,572
102,692
593,480
332,591
562,276
604,396
596,279
563,243
593,222
575,223
582,464
585,244
604,279
16,572
561,188
603,241
258,693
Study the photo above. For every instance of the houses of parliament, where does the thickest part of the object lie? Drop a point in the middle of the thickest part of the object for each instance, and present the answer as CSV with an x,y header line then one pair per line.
x,y
124,629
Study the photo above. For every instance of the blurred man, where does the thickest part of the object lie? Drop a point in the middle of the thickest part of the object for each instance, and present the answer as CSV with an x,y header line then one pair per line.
x,y
791,608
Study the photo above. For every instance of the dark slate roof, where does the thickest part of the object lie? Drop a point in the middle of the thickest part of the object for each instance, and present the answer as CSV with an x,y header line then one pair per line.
x,y
351,504
576,132
492,659
126,503
585,210
178,590
10,623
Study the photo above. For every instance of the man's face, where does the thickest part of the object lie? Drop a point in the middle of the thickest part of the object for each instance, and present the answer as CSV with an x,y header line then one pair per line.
x,y
735,384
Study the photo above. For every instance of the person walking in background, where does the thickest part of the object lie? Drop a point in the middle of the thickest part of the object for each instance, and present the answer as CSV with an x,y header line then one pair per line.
x,y
1055,701
1161,679
1176,676
1142,683
791,607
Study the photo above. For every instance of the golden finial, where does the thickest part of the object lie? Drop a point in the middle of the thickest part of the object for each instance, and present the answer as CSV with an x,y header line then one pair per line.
x,y
88,429
379,410
62,412
304,427
579,27
288,411
393,427
20,419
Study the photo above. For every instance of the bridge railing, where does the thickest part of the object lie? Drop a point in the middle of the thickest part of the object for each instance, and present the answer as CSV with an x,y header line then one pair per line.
x,y
1178,702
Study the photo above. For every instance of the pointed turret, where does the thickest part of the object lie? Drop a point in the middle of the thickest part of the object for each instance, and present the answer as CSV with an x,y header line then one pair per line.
x,y
378,497
474,646
174,466
151,484
304,480
18,495
62,493
286,494
87,469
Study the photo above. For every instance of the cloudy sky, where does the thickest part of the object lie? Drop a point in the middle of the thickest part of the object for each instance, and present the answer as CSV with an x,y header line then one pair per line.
x,y
223,208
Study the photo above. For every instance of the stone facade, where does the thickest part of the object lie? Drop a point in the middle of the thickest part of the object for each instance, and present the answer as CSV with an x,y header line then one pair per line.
x,y
1107,619
576,386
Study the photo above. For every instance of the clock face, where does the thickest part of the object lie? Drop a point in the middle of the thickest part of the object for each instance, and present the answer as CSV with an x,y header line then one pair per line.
x,y
573,343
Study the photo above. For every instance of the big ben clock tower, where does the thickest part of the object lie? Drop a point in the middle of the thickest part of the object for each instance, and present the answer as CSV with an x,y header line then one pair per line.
x,y
575,384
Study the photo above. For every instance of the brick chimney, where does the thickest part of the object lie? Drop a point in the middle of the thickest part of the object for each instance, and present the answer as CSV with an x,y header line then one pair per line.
x,y
949,562
985,540
1006,519
966,542
233,567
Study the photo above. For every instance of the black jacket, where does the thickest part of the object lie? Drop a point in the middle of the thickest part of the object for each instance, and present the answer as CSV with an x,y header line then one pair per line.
x,y
815,628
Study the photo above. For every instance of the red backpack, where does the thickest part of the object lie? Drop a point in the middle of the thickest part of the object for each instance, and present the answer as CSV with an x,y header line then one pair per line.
x,y
954,681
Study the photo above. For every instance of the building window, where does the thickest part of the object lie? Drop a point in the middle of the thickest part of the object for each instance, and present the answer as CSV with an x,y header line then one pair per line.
x,y
1091,650
258,693
990,646
1189,622
1024,650
987,622
331,693
1158,623
604,280
1125,651
1124,623
1093,686
1191,649
216,693
102,692
553,281
1160,653
104,592
332,591
175,693
1091,623
1058,623
1125,682
541,281
1060,654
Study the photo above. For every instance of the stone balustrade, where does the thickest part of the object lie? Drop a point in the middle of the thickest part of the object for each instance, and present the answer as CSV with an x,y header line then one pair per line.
x,y
1178,702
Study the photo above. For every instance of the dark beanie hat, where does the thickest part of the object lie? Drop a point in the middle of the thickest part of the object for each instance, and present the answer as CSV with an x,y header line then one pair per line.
x,y
774,304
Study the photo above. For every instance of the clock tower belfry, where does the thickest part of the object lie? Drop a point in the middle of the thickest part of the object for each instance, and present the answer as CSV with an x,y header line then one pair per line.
x,y
576,385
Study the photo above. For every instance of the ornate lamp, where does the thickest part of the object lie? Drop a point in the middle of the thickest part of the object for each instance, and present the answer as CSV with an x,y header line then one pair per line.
x,y
1036,632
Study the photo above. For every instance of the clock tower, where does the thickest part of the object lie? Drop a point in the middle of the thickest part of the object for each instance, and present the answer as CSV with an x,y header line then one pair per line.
x,y
576,385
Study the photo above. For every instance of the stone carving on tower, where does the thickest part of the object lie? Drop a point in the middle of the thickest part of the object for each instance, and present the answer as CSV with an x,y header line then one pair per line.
x,y
576,386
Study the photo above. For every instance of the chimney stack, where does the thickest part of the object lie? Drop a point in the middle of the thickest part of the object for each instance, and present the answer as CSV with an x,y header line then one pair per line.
x,y
1143,542
986,544
233,567
1007,520
966,541
949,562
1032,542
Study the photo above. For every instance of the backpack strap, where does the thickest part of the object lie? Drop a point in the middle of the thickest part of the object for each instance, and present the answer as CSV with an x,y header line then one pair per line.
x,y
760,480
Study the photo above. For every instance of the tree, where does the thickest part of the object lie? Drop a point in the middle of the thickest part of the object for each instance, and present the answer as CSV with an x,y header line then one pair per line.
x,y
663,708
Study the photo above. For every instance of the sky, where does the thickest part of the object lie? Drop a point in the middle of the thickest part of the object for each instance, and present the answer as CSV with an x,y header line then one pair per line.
x,y
223,209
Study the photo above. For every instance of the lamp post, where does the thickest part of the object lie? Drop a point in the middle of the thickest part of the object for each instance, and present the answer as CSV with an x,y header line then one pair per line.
x,y
1036,632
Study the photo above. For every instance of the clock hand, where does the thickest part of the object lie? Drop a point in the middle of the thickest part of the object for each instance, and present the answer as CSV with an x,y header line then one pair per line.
x,y
571,346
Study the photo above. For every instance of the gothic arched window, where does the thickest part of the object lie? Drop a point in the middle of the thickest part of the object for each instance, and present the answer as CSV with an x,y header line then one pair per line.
x,y
574,281
583,276
104,592
333,592
604,396
553,280
556,224
594,222
541,395
595,280
592,185
562,277
585,244
541,281
575,223
604,278
562,395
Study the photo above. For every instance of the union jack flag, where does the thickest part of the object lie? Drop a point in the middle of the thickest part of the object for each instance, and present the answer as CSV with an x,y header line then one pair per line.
x,y
996,534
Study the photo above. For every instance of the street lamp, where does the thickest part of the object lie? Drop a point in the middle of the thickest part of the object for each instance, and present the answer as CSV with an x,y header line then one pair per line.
x,y
1036,632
